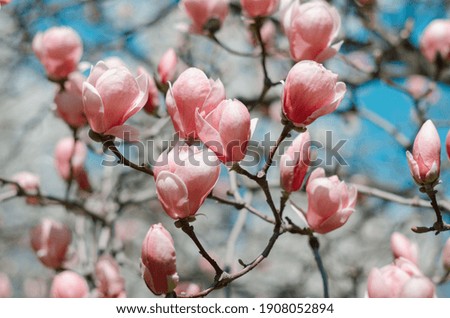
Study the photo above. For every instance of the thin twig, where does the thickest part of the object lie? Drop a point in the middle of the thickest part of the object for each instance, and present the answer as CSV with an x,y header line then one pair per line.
x,y
109,144
314,244
213,37
189,230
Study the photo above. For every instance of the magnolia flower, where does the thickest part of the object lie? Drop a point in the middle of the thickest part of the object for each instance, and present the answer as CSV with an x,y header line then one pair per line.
x,y
311,28
59,49
152,103
111,96
294,163
159,260
225,130
401,246
206,15
109,281
50,240
330,202
436,40
69,284
69,161
425,160
190,91
310,91
184,179
167,66
400,279
69,101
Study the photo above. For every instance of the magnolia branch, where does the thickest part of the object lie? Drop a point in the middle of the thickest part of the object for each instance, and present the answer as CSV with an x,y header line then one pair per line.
x,y
109,144
49,199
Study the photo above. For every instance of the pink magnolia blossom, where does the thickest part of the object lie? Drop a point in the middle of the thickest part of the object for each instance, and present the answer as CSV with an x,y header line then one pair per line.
x,y
259,8
59,49
50,240
109,281
190,91
435,40
69,284
202,12
69,161
167,66
330,202
69,101
225,130
28,182
159,260
311,28
446,255
111,96
294,163
401,246
184,177
5,286
152,103
401,279
310,91
425,160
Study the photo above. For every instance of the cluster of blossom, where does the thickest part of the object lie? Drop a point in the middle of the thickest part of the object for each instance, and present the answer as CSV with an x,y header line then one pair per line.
x,y
199,110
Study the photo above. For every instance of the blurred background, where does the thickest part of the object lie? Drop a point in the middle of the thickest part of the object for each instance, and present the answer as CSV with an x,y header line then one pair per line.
x,y
379,61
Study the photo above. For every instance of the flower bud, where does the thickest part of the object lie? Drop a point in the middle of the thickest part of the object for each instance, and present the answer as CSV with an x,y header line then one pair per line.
x,y
425,160
111,96
69,161
69,284
50,240
311,28
400,279
152,103
259,8
184,178
225,130
401,246
159,260
330,202
190,91
69,101
110,284
436,40
167,66
310,91
59,49
206,15
294,163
